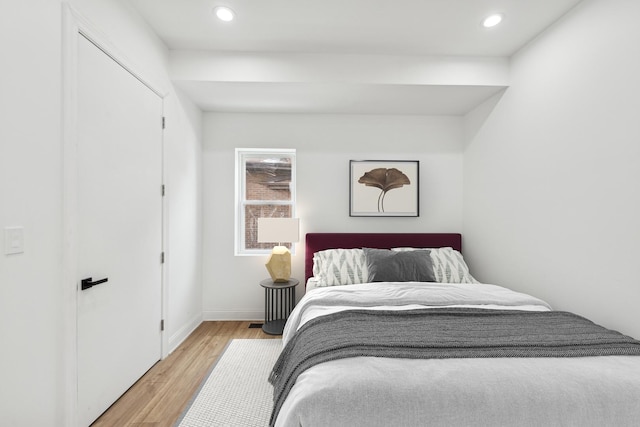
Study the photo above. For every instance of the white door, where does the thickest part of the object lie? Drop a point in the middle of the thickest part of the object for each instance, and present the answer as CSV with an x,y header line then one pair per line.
x,y
119,229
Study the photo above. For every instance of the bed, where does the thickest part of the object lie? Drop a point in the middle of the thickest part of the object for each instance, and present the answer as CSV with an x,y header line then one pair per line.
x,y
438,348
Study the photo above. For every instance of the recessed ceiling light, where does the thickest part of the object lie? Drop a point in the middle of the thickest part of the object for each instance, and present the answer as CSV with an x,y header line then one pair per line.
x,y
224,13
492,20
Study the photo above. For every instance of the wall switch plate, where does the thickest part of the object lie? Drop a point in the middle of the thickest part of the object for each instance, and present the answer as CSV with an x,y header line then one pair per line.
x,y
13,240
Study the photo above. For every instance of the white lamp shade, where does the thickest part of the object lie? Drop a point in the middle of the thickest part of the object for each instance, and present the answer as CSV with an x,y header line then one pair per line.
x,y
278,230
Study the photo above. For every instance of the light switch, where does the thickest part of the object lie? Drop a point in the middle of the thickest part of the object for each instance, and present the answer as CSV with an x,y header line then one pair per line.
x,y
13,240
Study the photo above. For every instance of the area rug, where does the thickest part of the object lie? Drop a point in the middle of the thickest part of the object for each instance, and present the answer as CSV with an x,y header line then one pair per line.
x,y
236,391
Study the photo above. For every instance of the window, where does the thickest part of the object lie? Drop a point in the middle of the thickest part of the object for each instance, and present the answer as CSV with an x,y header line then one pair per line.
x,y
265,187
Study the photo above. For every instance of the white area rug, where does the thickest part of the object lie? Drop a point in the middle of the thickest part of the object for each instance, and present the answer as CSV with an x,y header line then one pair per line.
x,y
236,391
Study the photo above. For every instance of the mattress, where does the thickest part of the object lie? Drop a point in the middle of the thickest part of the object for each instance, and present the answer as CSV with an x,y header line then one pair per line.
x,y
454,391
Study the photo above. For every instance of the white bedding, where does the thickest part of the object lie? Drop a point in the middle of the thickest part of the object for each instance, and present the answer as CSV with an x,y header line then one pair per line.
x,y
369,391
406,296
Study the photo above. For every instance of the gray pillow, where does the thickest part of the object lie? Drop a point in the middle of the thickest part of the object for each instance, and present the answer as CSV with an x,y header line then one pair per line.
x,y
385,265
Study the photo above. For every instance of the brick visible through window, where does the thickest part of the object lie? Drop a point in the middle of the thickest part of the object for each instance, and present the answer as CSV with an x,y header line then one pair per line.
x,y
266,189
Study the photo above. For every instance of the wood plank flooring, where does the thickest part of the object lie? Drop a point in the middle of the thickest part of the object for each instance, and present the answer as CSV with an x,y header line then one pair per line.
x,y
159,397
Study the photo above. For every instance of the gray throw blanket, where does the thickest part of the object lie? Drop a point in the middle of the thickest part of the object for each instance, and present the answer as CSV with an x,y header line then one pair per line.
x,y
441,333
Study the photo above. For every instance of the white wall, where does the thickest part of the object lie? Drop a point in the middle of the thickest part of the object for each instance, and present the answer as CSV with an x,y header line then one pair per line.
x,y
183,239
30,196
33,298
324,144
552,175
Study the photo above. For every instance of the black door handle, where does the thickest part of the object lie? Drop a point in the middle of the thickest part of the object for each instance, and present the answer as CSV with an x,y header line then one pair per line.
x,y
87,283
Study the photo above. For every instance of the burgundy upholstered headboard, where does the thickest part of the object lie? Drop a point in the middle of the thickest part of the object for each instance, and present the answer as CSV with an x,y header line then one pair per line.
x,y
320,241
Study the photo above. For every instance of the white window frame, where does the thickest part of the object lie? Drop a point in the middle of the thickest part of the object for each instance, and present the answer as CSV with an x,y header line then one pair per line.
x,y
240,194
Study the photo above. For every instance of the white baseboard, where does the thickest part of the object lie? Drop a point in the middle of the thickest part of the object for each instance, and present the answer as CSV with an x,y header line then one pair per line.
x,y
181,334
250,316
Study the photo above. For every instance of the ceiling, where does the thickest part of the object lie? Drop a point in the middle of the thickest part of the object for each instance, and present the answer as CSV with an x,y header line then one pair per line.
x,y
337,29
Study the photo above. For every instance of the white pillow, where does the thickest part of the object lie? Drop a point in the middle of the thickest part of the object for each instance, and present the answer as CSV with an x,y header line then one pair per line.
x,y
448,265
335,267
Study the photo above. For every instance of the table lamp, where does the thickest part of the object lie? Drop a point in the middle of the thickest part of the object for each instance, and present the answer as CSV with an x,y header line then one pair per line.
x,y
278,230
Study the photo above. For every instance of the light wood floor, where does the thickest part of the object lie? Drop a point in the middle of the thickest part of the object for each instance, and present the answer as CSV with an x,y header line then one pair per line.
x,y
160,396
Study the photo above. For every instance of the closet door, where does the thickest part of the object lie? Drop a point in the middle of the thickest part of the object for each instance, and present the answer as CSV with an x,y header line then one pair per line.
x,y
119,230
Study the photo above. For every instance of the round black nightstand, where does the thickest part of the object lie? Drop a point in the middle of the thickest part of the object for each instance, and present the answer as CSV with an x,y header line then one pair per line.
x,y
279,300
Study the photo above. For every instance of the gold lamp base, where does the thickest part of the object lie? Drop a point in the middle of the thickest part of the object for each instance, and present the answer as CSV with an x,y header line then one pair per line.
x,y
279,264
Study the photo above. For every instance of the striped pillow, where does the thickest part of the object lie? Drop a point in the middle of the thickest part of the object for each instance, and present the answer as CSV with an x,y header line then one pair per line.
x,y
335,267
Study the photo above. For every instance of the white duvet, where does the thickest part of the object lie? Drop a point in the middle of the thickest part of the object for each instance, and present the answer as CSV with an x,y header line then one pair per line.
x,y
369,391
406,296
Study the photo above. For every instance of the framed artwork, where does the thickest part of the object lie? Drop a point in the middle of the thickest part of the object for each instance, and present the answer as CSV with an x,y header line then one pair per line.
x,y
384,188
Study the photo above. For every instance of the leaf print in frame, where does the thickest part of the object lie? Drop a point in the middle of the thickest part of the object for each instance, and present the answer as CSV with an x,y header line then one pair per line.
x,y
384,188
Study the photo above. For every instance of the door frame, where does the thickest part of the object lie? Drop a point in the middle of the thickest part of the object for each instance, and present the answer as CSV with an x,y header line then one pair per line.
x,y
75,25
